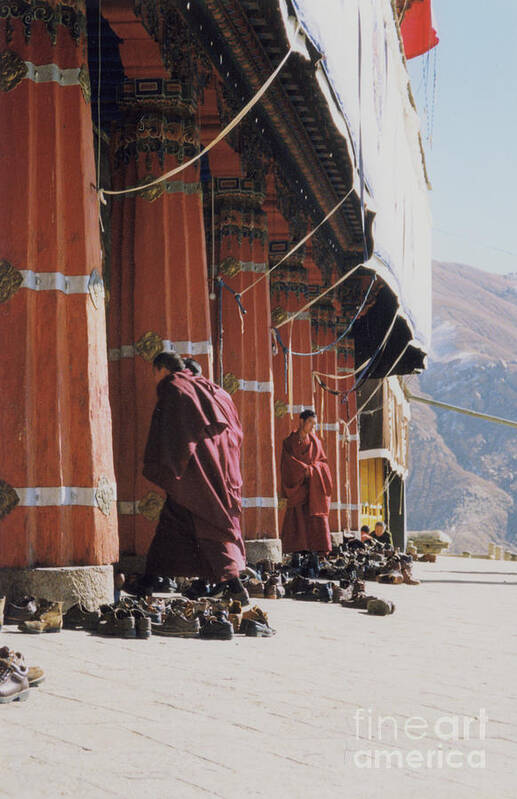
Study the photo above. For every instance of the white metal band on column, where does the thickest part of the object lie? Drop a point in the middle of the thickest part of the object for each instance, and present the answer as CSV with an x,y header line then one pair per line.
x,y
47,73
55,281
333,428
127,508
344,437
343,506
259,502
61,496
255,385
299,408
190,348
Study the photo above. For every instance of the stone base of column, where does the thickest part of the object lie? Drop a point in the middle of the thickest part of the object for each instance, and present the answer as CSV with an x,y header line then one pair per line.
x,y
90,585
263,549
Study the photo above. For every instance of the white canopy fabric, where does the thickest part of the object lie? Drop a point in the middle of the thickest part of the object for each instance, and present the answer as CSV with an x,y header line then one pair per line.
x,y
363,77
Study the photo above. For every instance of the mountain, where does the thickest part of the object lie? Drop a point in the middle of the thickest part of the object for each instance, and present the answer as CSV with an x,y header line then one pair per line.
x,y
463,471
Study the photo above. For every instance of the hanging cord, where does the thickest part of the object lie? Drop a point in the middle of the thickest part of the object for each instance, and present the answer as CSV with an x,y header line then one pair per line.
x,y
323,293
367,369
231,125
341,335
300,244
381,382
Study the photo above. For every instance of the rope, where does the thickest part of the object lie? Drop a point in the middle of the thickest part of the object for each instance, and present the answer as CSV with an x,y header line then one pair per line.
x,y
457,409
231,125
323,293
300,243
341,335
381,382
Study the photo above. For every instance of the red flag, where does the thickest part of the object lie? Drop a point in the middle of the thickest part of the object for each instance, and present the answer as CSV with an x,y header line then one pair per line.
x,y
417,28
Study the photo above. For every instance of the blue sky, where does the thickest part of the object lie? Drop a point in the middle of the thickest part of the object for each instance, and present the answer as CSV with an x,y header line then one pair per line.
x,y
473,157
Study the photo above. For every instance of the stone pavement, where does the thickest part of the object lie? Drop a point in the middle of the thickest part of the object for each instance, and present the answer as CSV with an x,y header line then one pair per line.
x,y
295,716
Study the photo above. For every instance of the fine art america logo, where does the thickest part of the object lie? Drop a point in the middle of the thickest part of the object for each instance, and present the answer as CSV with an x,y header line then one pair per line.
x,y
447,742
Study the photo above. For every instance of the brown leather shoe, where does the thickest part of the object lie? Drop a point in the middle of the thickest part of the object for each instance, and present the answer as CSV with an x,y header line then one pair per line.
x,y
176,625
47,619
256,614
23,609
14,687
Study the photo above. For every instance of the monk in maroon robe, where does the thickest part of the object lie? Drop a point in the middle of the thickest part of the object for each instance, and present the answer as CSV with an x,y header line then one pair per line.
x,y
193,454
307,484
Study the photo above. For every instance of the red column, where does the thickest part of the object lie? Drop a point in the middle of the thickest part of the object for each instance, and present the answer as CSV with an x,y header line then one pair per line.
x,y
327,403
349,439
159,284
57,489
289,293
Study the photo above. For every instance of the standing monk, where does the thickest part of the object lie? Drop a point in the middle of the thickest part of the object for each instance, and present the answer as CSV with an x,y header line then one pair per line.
x,y
307,484
193,454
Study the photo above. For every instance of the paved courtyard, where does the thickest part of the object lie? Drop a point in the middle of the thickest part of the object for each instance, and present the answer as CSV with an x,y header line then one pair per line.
x,y
298,715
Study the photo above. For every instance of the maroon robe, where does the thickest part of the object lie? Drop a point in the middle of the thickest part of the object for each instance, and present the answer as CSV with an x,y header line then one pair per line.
x,y
307,484
193,453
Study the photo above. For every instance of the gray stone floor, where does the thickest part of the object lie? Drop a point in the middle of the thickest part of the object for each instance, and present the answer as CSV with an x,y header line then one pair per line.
x,y
285,717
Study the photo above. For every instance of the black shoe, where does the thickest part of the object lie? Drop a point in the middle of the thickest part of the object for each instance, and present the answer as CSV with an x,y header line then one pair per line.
x,y
197,589
169,586
231,589
325,592
255,629
220,629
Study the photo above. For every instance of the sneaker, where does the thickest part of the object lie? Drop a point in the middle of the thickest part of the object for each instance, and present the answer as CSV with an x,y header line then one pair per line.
x,y
47,619
176,625
34,674
217,629
380,607
14,687
256,629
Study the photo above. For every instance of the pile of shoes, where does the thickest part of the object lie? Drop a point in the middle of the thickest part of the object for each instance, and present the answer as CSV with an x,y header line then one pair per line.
x,y
354,560
16,679
32,615
207,617
212,619
228,590
141,585
127,618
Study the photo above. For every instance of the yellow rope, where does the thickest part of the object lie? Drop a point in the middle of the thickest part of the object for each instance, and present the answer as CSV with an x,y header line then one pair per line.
x,y
242,113
297,246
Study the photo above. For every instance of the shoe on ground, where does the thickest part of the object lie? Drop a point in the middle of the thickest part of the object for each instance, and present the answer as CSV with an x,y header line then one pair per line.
x,y
119,623
142,624
256,629
232,589
14,686
176,625
216,629
22,609
34,674
79,618
197,589
380,607
47,619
